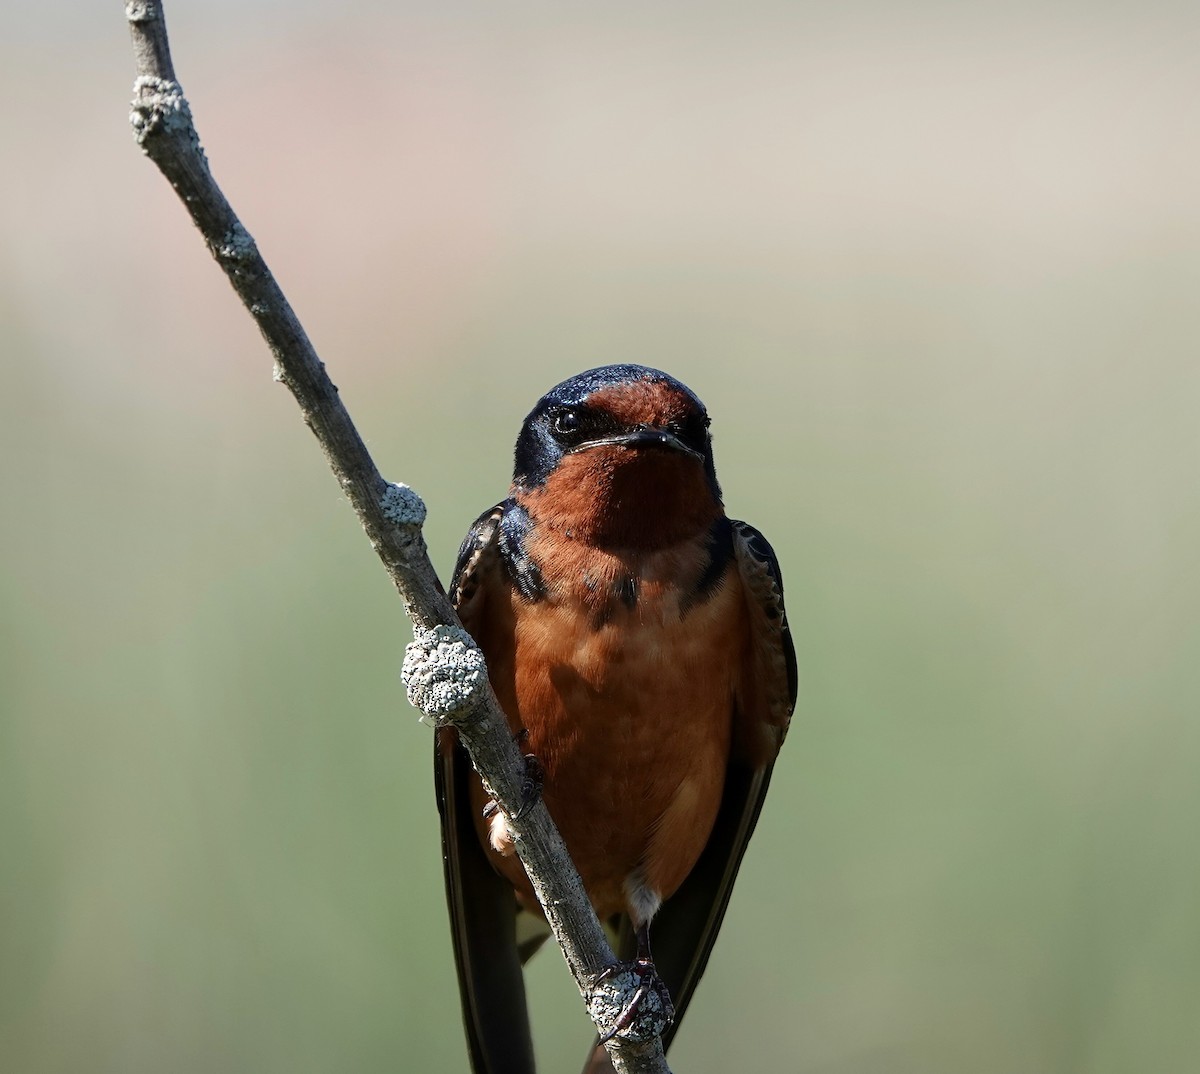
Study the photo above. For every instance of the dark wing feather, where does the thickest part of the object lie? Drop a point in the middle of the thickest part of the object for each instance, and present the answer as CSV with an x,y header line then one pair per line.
x,y
768,693
481,903
686,927
476,556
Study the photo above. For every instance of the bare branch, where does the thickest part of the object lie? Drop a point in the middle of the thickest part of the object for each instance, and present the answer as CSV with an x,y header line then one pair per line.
x,y
444,668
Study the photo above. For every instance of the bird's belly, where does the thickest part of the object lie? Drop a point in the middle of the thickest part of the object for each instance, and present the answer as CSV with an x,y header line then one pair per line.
x,y
631,722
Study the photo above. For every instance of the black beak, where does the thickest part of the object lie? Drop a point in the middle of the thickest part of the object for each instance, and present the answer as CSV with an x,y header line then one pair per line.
x,y
645,437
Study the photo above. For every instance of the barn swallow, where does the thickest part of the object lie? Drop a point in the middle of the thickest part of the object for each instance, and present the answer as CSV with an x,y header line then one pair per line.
x,y
635,637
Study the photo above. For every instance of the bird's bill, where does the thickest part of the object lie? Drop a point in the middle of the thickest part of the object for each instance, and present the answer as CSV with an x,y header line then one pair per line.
x,y
641,438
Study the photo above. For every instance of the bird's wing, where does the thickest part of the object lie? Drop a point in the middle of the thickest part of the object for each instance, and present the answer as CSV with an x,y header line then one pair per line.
x,y
482,905
686,927
767,692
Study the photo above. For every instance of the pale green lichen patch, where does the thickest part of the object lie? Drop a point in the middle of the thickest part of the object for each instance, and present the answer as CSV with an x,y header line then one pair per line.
x,y
402,505
237,245
140,11
159,104
444,673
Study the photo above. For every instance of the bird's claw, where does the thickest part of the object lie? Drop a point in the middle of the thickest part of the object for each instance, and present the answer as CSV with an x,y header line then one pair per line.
x,y
629,1000
531,785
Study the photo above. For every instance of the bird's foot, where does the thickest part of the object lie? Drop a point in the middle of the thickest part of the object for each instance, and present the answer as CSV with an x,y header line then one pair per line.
x,y
629,1000
531,792
531,785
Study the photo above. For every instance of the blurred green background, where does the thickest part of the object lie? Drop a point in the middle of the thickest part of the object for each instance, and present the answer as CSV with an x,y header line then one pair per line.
x,y
934,271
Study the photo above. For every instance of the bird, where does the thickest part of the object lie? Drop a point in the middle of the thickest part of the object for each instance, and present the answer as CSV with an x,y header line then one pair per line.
x,y
636,639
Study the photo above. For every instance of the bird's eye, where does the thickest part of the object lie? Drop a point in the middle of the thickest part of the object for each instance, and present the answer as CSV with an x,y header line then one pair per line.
x,y
566,422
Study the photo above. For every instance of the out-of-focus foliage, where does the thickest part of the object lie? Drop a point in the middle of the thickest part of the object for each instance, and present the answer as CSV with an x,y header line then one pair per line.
x,y
935,275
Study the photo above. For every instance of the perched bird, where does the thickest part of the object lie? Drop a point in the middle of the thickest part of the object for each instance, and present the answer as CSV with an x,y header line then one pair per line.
x,y
635,637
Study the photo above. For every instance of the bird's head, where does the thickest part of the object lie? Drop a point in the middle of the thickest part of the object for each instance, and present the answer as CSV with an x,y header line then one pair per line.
x,y
620,456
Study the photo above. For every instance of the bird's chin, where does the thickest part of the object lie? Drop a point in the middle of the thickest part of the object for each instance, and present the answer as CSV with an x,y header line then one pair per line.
x,y
618,495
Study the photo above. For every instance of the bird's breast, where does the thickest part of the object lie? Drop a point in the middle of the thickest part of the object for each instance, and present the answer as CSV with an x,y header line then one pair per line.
x,y
624,683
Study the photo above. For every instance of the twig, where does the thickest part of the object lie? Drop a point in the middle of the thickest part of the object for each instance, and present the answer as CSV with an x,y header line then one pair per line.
x,y
444,668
